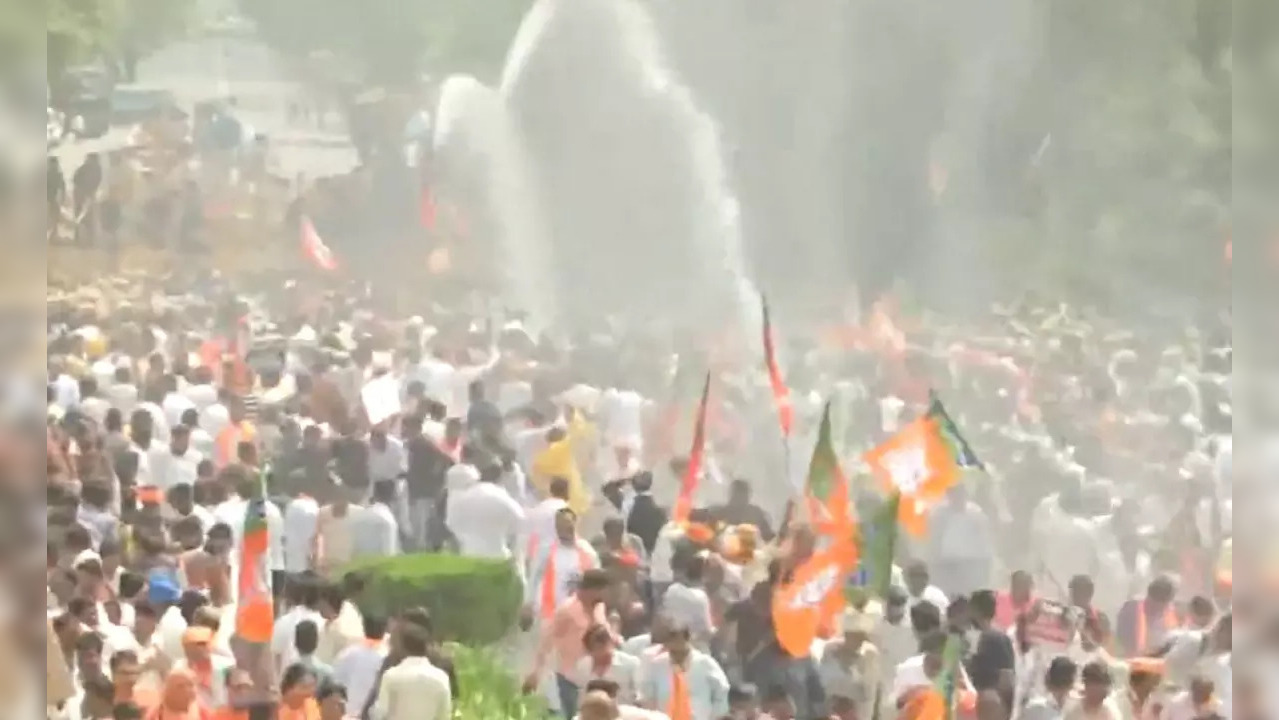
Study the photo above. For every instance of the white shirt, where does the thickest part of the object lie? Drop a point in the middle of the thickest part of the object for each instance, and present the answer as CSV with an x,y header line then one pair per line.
x,y
691,607
374,532
931,594
214,419
623,670
160,426
908,676
663,552
66,392
175,403
300,518
528,443
96,408
485,519
414,690
168,470
123,396
388,463
896,643
539,524
460,401
202,397
357,669
436,376
169,631
282,645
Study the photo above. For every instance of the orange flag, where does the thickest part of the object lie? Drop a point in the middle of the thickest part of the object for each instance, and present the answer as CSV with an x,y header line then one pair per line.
x,y
781,393
814,597
696,456
255,614
917,463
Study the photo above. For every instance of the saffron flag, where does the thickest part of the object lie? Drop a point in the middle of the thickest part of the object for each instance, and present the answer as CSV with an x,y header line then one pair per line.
x,y
696,457
814,597
314,248
255,614
826,486
781,393
917,464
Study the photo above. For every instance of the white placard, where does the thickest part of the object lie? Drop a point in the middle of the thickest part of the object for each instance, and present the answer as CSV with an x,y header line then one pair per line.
x,y
381,398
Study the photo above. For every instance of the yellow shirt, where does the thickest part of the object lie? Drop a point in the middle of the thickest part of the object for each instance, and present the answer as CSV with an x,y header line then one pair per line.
x,y
558,460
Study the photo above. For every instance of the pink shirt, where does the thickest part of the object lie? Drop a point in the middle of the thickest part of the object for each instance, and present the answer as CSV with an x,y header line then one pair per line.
x,y
1006,612
563,635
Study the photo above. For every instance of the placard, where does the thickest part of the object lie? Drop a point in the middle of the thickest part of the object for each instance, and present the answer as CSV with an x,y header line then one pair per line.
x,y
1053,625
381,398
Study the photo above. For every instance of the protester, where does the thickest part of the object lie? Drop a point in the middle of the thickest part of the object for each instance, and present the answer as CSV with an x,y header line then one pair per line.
x,y
1042,581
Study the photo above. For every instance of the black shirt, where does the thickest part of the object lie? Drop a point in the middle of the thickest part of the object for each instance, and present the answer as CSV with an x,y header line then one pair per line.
x,y
993,655
428,465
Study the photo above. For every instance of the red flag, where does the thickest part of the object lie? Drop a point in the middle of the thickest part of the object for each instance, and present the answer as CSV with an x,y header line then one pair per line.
x,y
426,209
688,485
315,249
781,393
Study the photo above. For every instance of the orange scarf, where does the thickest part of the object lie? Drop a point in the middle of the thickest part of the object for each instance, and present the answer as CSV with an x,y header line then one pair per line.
x,y
550,579
1170,622
681,703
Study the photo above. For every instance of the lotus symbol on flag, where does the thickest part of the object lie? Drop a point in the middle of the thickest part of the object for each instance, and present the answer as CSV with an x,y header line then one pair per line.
x,y
908,467
815,590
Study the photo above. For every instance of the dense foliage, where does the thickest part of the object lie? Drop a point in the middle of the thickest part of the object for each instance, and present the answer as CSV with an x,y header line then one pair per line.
x,y
389,43
496,692
119,31
472,601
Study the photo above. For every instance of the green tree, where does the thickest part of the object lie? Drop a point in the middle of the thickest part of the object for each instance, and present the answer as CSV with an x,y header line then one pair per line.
x,y
121,31
75,29
389,42
144,26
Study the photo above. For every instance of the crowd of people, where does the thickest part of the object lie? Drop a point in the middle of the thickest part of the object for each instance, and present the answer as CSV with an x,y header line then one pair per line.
x,y
1083,573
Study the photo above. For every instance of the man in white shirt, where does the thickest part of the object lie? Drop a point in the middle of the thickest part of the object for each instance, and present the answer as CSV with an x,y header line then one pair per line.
x,y
66,390
174,405
357,667
961,547
414,689
375,532
922,669
177,466
387,459
484,519
91,404
201,441
302,595
539,522
301,516
920,587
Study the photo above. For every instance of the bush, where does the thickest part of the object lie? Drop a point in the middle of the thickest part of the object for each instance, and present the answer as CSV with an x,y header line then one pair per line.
x,y
490,690
472,601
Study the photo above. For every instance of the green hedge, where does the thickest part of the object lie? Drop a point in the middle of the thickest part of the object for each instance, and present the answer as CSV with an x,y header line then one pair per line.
x,y
496,694
472,601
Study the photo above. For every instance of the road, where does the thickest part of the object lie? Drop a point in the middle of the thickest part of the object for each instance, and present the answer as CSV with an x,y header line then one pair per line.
x,y
208,69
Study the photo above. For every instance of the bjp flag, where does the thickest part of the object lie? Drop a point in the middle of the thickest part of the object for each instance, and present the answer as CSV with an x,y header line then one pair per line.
x,y
255,613
919,464
813,598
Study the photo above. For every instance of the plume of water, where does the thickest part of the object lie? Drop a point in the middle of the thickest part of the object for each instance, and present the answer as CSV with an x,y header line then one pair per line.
x,y
626,61
474,128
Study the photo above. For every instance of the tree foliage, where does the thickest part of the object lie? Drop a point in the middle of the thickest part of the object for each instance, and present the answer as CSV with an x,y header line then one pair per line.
x,y
114,30
389,42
